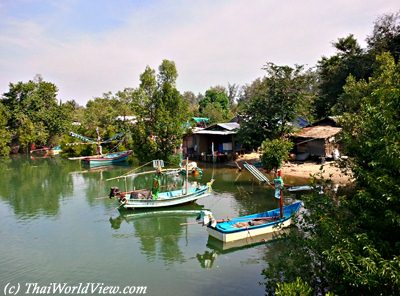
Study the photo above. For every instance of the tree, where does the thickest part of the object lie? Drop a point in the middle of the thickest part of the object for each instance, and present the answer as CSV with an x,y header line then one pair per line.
x,y
273,103
214,112
350,100
161,113
35,115
333,72
233,93
192,100
348,244
5,134
249,91
372,138
217,98
386,36
274,153
102,113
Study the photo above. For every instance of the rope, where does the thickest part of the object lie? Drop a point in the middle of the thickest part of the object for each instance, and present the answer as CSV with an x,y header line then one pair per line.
x,y
116,146
248,231
130,172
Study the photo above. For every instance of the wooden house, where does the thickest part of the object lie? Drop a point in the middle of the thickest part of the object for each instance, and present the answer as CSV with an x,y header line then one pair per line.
x,y
320,140
215,143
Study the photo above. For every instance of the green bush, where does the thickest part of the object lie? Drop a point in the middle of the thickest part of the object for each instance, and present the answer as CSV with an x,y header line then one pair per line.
x,y
274,152
297,288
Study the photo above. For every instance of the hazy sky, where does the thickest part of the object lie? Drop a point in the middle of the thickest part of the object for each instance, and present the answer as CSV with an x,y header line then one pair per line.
x,y
90,47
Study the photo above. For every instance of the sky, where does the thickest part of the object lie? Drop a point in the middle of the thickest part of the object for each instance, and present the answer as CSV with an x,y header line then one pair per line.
x,y
90,47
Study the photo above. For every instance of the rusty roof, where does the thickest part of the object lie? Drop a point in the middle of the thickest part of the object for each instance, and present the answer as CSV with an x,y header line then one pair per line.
x,y
318,132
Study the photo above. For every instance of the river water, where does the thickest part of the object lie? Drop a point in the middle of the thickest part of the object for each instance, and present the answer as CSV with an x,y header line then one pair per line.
x,y
59,226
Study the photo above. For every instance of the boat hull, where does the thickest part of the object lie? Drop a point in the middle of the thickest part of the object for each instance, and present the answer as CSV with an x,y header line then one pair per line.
x,y
167,201
247,233
240,228
107,159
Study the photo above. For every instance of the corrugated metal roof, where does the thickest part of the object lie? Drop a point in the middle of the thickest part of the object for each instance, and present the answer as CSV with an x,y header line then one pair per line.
x,y
229,125
211,132
227,128
318,132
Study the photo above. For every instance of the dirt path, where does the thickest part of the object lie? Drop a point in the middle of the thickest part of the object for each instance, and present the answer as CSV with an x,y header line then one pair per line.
x,y
304,169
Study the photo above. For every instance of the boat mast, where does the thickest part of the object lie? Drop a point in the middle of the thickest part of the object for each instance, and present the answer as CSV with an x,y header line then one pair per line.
x,y
99,148
278,185
281,204
187,173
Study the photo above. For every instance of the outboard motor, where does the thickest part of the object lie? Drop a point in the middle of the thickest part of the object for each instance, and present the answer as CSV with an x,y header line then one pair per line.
x,y
114,191
206,218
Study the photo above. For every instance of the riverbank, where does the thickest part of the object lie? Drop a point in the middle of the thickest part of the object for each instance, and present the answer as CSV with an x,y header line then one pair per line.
x,y
306,170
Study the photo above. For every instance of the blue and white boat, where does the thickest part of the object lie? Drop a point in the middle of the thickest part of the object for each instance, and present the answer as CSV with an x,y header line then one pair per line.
x,y
249,226
100,159
106,159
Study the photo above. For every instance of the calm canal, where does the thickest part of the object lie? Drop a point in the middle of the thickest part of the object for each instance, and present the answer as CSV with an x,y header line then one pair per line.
x,y
58,226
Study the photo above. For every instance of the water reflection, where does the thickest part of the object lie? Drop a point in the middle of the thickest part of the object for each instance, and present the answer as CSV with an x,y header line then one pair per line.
x,y
216,247
33,187
160,233
207,259
92,242
248,242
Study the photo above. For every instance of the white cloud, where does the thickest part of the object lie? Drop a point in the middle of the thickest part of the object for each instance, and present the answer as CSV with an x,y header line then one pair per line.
x,y
212,43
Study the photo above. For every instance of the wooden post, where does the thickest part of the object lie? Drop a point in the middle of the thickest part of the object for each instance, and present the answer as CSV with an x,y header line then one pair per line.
x,y
281,204
280,183
187,175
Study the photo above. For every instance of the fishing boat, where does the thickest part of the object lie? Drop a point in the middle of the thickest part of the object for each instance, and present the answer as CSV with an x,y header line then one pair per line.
x,y
249,226
46,151
55,150
106,159
100,159
140,199
146,199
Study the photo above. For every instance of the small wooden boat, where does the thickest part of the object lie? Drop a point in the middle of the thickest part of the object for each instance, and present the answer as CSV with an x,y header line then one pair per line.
x,y
249,226
140,199
100,159
106,159
55,150
46,151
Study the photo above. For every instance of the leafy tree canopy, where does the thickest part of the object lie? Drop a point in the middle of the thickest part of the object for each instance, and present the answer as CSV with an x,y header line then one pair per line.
x,y
333,72
35,114
351,59
386,35
273,102
274,153
161,112
5,134
215,95
349,244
